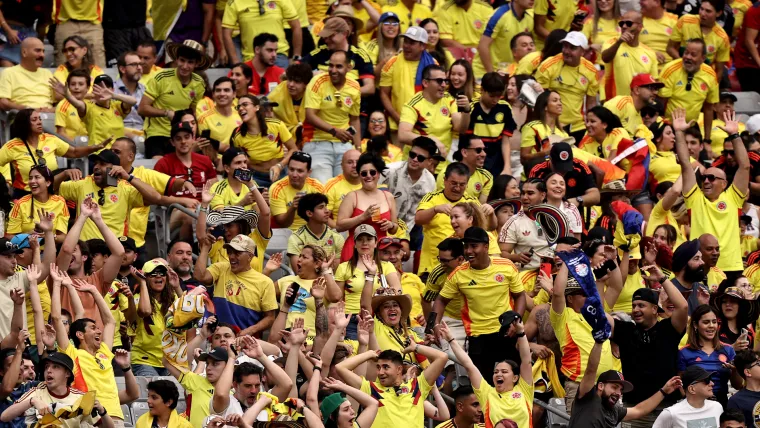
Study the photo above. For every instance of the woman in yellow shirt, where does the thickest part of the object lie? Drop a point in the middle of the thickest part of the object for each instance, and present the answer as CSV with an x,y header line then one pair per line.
x,y
602,26
465,215
263,139
378,127
603,133
387,43
392,331
26,211
78,55
541,124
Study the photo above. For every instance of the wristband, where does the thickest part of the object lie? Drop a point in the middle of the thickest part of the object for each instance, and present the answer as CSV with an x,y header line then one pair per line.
x,y
327,272
332,132
663,392
316,367
518,335
450,340
731,137
128,369
130,178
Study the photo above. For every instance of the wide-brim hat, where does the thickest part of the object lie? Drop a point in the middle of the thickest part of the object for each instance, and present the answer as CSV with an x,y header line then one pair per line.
x,y
383,295
189,49
749,306
348,12
617,187
231,214
551,220
515,203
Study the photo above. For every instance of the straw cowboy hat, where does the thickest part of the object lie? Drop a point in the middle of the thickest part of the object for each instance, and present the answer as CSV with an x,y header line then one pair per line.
x,y
383,295
190,49
348,12
231,214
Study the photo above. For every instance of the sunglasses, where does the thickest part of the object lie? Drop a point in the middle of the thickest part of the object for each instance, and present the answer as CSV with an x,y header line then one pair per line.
x,y
101,197
442,260
71,49
390,23
365,173
477,150
728,152
419,157
156,274
377,121
439,80
711,177
626,24
688,83
389,241
40,159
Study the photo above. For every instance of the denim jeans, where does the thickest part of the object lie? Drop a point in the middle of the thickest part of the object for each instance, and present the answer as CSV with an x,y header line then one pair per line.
x,y
326,157
282,61
149,371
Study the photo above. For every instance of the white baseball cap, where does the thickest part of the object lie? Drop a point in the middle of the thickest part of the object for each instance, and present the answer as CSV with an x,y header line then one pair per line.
x,y
753,124
418,34
576,38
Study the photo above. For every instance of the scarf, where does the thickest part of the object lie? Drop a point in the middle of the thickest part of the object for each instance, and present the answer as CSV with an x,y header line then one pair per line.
x,y
425,60
285,111
180,317
592,311
175,421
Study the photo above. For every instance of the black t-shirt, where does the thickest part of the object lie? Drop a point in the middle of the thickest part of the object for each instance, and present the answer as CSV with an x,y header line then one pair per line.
x,y
492,126
649,357
577,181
27,11
749,403
589,412
690,294
124,14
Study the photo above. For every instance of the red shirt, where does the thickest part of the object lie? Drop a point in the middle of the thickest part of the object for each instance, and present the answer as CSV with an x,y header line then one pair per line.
x,y
742,57
200,171
271,79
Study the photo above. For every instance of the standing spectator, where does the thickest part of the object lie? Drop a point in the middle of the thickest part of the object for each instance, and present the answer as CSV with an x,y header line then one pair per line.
x,y
170,91
223,119
604,24
571,64
450,256
625,57
726,101
711,207
124,28
505,23
266,72
285,194
14,281
180,258
747,364
25,85
746,57
273,18
387,43
410,13
180,22
541,128
462,23
697,407
332,115
288,97
83,19
561,160
18,23
162,402
67,120
643,91
472,153
230,190
706,28
550,15
491,121
147,52
128,83
338,187
658,27
521,46
434,47
78,55
312,207
242,75
710,249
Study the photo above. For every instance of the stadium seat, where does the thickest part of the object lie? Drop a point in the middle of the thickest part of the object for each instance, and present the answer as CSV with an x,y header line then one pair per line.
x,y
128,421
215,73
279,241
747,103
139,409
142,382
553,420
181,405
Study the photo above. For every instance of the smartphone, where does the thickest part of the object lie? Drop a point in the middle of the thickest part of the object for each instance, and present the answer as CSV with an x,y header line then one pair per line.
x,y
429,324
111,181
140,274
743,335
351,130
217,232
206,133
292,299
212,326
579,17
243,175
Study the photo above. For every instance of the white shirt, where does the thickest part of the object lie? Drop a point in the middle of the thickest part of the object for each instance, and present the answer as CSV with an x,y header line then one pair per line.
x,y
682,415
574,219
408,193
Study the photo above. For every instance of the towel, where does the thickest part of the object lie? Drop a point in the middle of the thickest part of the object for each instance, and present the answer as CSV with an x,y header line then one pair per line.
x,y
425,60
592,311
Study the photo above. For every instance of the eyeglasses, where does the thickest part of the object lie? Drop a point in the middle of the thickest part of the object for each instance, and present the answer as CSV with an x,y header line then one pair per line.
x,y
728,152
156,274
40,159
390,23
71,49
417,156
477,150
338,100
377,121
246,105
367,172
754,364
440,80
711,177
442,260
133,64
688,82
101,197
626,23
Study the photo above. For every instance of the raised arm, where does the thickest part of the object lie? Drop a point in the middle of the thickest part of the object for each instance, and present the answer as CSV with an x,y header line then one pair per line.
x,y
671,195
200,272
275,374
113,263
221,397
17,319
680,125
367,403
558,294
731,127
61,92
461,355
58,277
647,406
345,368
526,366
10,377
109,324
589,376
72,238
132,390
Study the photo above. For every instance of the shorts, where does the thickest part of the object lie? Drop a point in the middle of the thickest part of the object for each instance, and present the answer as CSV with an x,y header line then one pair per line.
x,y
158,145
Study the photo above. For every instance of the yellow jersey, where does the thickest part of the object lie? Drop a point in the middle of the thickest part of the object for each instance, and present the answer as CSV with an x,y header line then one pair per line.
x,y
218,253
658,217
146,77
288,110
528,64
703,85
78,10
199,392
241,299
437,230
431,119
138,218
146,348
501,27
716,41
480,183
246,15
468,25
401,405
23,157
622,106
749,245
62,74
399,75
104,122
656,33
536,135
718,218
715,276
628,62
605,30
66,116
117,204
95,373
222,127
225,196
515,405
739,8
752,272
281,196
624,303
717,135
24,214
433,288
486,293
168,93
408,18
118,303
606,147
412,285
559,15
330,240
336,189
262,148
576,341
573,84
28,88
354,283
336,107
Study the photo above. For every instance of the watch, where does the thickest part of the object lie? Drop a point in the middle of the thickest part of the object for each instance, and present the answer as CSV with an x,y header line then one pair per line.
x,y
297,58
130,178
580,200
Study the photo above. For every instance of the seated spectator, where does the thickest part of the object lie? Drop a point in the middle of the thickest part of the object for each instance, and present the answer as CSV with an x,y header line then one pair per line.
x,y
747,363
67,120
28,210
491,120
561,160
231,190
289,98
471,152
285,193
222,121
78,55
148,53
340,186
312,207
698,406
23,86
128,83
266,74
378,130
162,402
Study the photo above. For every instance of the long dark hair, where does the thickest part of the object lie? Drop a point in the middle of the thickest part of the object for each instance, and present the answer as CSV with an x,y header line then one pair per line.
x,y
438,53
21,127
87,61
165,298
48,176
259,116
607,117
539,110
355,258
469,84
552,45
742,315
694,342
499,187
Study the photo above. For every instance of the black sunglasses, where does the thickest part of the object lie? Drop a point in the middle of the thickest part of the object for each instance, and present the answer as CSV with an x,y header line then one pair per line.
x,y
156,274
711,177
419,157
688,83
101,197
728,152
389,241
262,84
626,23
40,159
439,80
477,150
372,172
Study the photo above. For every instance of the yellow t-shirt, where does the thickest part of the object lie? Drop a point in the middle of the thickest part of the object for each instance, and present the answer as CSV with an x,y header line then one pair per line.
x,y
333,106
62,74
749,245
78,10
515,405
501,27
16,153
389,339
401,405
168,93
622,106
609,144
146,348
28,88
246,15
466,26
752,272
262,148
199,392
147,77
559,15
433,287
576,341
354,283
656,33
413,286
536,135
22,218
624,303
281,196
330,240
399,74
718,218
485,292
204,107
138,218
407,17
529,63
628,62
221,127
68,117
739,8
717,135
658,217
573,84
704,89
394,152
715,276
480,182
305,305
104,122
437,230
218,253
605,30
117,204
336,189
293,114
225,196
95,373
717,42
430,119
241,299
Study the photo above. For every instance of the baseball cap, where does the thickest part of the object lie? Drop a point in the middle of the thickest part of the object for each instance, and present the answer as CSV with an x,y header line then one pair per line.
x,y
475,235
128,243
576,38
645,79
561,155
218,354
21,240
694,374
103,78
418,34
753,124
388,15
334,25
647,295
181,127
266,102
154,264
105,156
7,247
614,376
364,229
242,243
728,95
61,359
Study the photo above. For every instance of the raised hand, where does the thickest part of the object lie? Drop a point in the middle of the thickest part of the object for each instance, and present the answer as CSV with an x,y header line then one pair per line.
x,y
86,207
333,384
46,221
251,347
102,92
444,332
545,282
369,264
610,252
342,319
672,384
364,328
679,120
121,356
731,126
297,334
173,278
21,338
17,295
328,264
48,336
57,87
654,273
206,195
274,262
85,287
207,331
318,288
33,274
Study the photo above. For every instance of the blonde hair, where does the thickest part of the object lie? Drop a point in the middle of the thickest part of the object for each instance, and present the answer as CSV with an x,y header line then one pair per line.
x,y
472,210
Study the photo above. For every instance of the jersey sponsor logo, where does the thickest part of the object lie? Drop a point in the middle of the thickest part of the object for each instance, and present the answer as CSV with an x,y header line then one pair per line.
x,y
472,282
444,111
499,117
721,206
581,270
114,198
498,277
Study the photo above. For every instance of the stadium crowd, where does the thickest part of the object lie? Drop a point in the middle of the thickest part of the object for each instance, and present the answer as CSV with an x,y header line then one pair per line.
x,y
506,213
